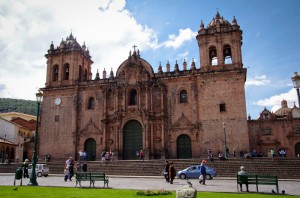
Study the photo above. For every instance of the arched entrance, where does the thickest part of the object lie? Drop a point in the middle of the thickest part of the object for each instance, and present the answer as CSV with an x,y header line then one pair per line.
x,y
297,148
90,149
184,149
132,139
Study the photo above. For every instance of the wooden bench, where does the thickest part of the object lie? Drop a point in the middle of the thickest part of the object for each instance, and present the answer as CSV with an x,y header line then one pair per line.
x,y
257,180
91,177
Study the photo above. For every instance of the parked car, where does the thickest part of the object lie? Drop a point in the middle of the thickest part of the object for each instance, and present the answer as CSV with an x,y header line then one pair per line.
x,y
40,169
194,172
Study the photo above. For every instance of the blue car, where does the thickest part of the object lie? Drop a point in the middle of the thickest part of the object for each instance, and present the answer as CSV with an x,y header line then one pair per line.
x,y
194,172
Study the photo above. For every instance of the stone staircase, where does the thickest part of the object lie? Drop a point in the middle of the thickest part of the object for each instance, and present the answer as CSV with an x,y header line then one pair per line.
x,y
285,168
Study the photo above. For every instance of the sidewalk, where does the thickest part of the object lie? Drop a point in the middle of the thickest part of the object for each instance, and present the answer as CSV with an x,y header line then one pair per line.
x,y
218,184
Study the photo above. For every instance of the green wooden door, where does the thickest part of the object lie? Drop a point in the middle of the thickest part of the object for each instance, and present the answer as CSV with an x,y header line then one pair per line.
x,y
90,149
184,150
132,139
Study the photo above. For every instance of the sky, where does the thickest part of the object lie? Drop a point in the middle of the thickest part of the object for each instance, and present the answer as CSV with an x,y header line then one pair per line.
x,y
162,31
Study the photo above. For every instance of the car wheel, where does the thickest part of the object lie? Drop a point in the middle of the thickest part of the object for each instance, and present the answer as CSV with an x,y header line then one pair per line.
x,y
182,176
39,174
45,175
208,177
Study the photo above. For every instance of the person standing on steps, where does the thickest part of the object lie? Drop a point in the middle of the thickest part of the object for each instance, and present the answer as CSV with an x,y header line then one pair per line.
x,y
141,155
202,173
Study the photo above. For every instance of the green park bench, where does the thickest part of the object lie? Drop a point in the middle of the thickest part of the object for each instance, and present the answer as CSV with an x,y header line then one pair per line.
x,y
91,177
257,180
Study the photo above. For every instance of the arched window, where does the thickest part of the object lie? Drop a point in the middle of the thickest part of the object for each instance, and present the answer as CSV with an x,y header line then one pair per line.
x,y
227,54
133,97
183,96
91,104
213,58
66,71
55,73
268,131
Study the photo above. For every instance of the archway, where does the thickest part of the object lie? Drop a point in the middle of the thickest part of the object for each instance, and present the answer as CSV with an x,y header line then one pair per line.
x,y
90,149
132,139
184,149
297,148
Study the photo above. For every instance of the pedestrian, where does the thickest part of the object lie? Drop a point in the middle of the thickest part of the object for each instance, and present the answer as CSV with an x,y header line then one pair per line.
x,y
272,152
111,153
202,173
137,154
84,166
141,155
84,155
25,168
227,152
103,155
172,173
211,158
243,172
107,156
79,166
166,171
69,169
81,155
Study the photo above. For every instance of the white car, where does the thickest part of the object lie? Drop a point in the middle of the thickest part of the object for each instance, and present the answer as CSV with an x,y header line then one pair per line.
x,y
40,169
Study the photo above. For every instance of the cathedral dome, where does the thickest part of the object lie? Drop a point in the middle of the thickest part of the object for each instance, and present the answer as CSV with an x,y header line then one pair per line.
x,y
223,22
135,60
284,110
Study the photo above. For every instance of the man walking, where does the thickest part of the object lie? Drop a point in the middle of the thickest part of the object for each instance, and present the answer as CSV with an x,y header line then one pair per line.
x,y
202,172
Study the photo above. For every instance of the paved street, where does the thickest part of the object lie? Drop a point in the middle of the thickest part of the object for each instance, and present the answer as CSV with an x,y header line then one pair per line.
x,y
124,182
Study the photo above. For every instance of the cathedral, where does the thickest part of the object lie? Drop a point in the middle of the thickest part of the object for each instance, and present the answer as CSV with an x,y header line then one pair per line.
x,y
168,113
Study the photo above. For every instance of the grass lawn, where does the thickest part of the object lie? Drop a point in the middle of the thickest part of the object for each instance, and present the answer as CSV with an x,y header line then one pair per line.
x,y
31,192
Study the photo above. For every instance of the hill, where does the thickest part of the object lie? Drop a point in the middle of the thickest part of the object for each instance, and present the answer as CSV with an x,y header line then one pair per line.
x,y
18,105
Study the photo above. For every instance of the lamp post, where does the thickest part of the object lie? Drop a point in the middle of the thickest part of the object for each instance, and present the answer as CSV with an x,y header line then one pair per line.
x,y
296,82
225,145
32,178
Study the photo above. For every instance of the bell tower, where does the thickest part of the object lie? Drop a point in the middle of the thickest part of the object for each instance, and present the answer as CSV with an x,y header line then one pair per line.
x,y
220,44
68,63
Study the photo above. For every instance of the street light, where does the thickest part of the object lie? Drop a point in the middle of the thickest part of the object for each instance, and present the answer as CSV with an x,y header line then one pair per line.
x,y
296,81
225,146
32,178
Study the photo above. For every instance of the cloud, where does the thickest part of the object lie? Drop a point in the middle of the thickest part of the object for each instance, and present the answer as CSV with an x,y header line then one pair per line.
x,y
275,101
177,41
183,55
2,87
29,26
258,81
107,28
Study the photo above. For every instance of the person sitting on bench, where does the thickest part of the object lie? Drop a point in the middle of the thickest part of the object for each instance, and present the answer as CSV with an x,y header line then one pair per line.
x,y
243,172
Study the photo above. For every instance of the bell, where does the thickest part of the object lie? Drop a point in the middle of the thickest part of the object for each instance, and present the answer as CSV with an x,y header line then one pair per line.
x,y
227,52
213,53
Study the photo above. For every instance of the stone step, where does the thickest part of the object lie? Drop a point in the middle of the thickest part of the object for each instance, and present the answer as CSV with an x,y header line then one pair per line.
x,y
287,168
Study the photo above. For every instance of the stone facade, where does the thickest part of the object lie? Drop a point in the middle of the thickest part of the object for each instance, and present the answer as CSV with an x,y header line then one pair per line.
x,y
279,130
168,114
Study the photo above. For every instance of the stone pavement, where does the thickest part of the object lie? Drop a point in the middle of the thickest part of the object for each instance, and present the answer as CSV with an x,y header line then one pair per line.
x,y
218,184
